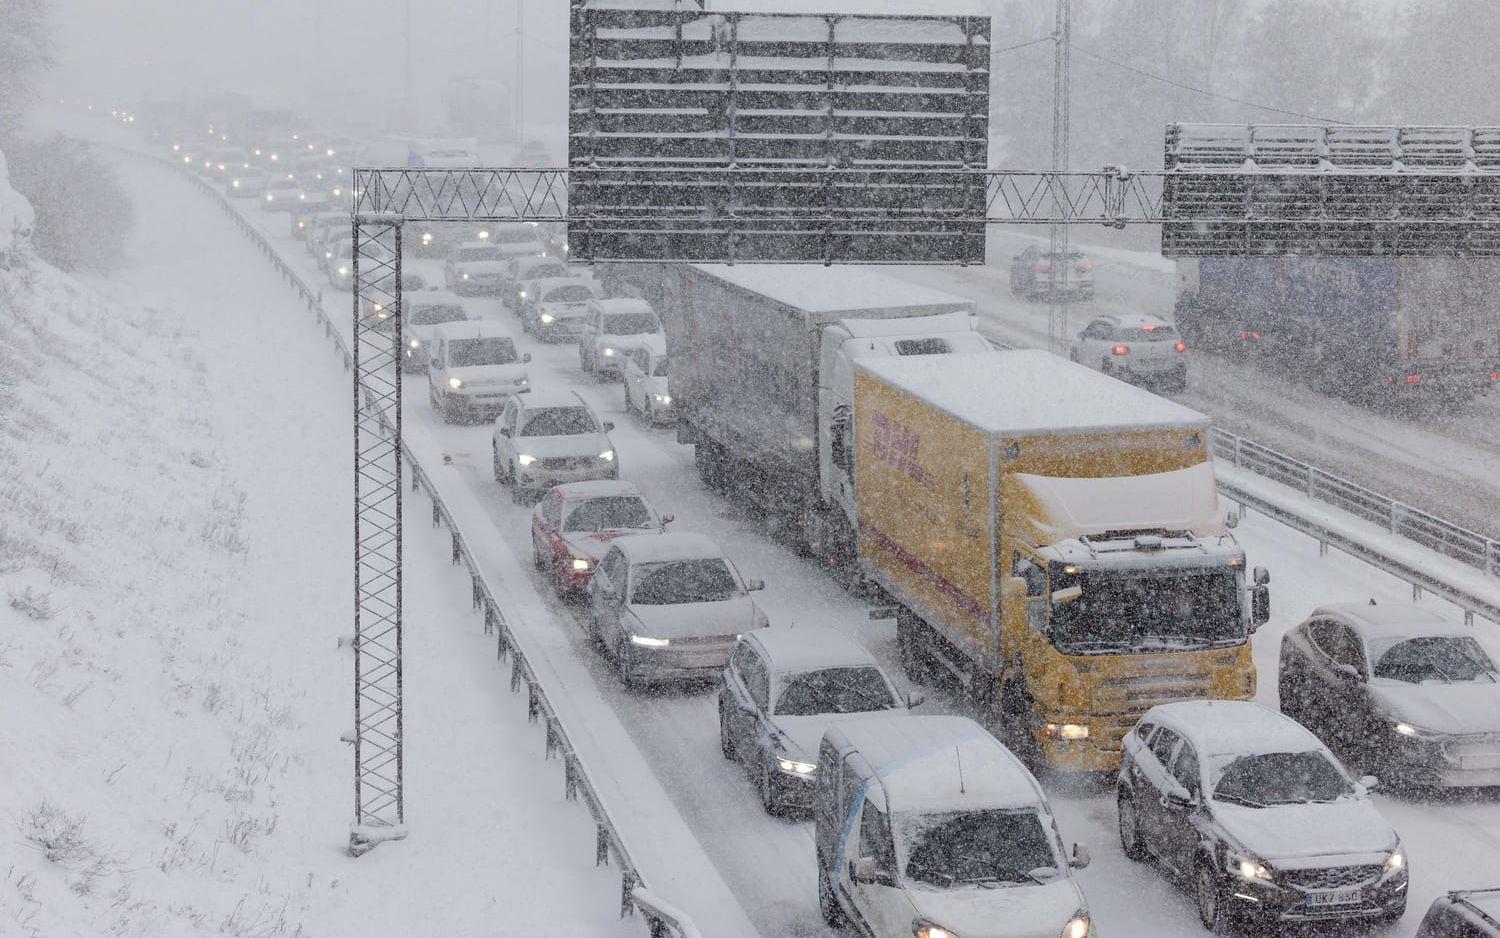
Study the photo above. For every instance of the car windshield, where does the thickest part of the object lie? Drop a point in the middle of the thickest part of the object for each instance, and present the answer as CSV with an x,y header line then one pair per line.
x,y
1176,610
1275,778
559,421
478,254
1448,658
834,690
515,235
660,369
609,513
490,351
630,324
572,293
986,848
670,582
430,314
1161,333
413,282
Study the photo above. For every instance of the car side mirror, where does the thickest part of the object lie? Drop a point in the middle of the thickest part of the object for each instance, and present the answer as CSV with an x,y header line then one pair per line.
x,y
1368,783
867,870
667,519
609,425
752,586
1081,857
1262,576
1179,798
915,699
1346,673
526,358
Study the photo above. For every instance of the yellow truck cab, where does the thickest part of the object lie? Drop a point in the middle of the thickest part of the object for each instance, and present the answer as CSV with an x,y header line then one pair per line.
x,y
1053,538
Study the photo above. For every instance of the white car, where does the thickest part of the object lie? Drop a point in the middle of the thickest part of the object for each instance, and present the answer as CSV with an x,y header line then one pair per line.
x,y
475,267
645,381
1143,348
614,327
927,826
281,194
419,315
518,240
522,269
547,438
670,606
247,183
556,308
783,688
472,369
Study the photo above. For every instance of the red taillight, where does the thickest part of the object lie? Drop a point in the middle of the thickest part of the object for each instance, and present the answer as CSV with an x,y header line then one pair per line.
x,y
1085,267
1413,379
1181,346
1495,376
1122,350
1249,336
1041,267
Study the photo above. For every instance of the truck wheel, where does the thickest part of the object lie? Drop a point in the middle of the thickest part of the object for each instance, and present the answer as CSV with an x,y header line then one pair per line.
x,y
915,662
828,903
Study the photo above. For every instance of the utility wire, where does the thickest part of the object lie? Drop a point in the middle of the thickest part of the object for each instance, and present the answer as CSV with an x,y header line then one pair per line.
x,y
1020,45
1204,91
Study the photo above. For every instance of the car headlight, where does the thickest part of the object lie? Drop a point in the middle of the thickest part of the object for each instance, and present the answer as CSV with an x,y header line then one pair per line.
x,y
567,247
794,767
377,307
1396,861
328,255
581,563
337,192
663,398
608,455
1079,926
235,183
270,197
522,294
525,459
921,929
426,237
466,276
523,381
343,271
455,383
547,318
415,343
484,235
1250,869
1068,730
609,353
646,641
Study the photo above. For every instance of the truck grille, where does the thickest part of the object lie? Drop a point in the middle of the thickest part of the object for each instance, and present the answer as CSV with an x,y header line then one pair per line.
x,y
1121,703
1333,877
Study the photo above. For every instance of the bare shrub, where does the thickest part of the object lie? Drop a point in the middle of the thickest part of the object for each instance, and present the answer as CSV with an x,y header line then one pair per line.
x,y
58,834
33,604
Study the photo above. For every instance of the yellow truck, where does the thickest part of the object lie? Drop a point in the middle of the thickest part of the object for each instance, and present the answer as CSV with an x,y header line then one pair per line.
x,y
1053,538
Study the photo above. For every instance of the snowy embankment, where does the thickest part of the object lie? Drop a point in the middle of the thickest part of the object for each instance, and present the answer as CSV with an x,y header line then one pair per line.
x,y
174,574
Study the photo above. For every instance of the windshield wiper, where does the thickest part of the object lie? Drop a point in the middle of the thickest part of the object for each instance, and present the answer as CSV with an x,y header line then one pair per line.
x,y
1232,798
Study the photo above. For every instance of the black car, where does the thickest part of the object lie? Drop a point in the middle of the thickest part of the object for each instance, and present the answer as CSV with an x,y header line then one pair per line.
x,y
1472,913
1397,691
1257,818
1036,273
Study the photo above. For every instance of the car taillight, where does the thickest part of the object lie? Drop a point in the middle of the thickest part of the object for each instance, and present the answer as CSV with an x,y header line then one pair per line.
x,y
1041,267
1413,379
1249,336
1122,350
1181,346
1085,267
1495,376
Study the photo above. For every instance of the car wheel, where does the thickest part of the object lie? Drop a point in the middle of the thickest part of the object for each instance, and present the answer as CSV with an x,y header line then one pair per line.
x,y
767,786
726,741
495,461
828,903
432,397
1208,896
517,493
536,554
1130,833
629,401
583,361
651,414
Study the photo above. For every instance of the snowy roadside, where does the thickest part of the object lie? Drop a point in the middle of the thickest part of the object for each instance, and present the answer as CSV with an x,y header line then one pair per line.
x,y
174,560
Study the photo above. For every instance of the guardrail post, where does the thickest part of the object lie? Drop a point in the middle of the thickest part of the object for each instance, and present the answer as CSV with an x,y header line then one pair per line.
x,y
437,511
627,886
477,597
533,703
1398,516
1312,482
1469,618
458,549
570,777
489,618
551,746
502,644
1322,548
515,673
1492,557
1416,592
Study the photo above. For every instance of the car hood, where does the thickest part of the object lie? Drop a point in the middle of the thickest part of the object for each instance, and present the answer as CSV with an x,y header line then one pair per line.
x,y
655,384
685,620
1456,709
1349,827
563,310
583,444
421,333
1028,911
479,267
480,375
805,733
595,544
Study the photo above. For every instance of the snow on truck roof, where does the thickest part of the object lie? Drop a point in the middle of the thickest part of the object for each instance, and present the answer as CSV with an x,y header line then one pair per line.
x,y
1029,391
1234,727
794,649
918,761
846,291
1178,500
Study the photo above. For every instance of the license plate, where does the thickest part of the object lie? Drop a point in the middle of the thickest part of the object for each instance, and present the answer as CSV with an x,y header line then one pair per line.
x,y
1485,760
1333,897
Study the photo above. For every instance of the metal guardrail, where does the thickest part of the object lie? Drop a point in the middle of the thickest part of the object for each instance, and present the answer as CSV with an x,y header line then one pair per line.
x,y
1397,517
663,919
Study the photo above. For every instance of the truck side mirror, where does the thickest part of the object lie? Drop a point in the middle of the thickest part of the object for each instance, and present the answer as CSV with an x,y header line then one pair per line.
x,y
752,586
1260,606
609,425
667,519
1081,856
1262,576
915,699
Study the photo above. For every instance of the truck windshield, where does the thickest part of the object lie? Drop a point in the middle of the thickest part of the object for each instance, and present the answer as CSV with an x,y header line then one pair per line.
x,y
1124,613
976,849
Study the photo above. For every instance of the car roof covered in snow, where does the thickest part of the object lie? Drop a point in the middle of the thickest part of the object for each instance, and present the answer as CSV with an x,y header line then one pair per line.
x,y
555,397
473,244
623,304
794,649
932,763
600,488
1234,727
1486,901
547,283
1024,392
1393,621
1136,321
470,329
431,298
844,292
653,548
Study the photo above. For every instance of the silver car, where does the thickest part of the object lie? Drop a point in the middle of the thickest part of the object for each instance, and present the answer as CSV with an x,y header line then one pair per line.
x,y
549,437
1139,348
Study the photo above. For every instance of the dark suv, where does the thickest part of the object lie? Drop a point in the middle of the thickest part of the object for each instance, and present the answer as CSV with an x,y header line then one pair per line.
x,y
1036,273
1473,913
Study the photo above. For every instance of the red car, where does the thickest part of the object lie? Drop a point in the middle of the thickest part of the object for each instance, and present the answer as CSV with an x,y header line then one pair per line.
x,y
573,525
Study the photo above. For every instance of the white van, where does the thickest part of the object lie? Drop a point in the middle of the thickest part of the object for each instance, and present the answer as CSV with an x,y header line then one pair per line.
x,y
927,826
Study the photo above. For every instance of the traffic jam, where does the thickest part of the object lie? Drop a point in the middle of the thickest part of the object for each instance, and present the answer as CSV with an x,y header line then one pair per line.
x,y
1070,597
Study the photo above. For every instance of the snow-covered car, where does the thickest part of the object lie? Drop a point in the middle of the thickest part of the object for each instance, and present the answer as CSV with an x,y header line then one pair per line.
x,y
410,283
281,194
927,826
1397,691
420,314
474,267
247,183
645,381
319,227
614,327
556,308
517,240
1133,347
1260,819
340,262
783,688
547,438
1032,275
472,369
523,269
670,607
308,207
1469,913
574,525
